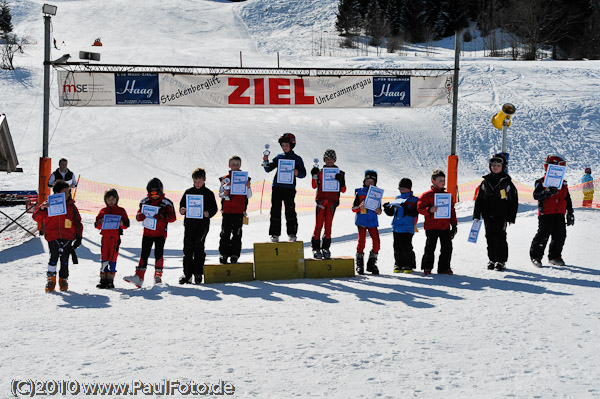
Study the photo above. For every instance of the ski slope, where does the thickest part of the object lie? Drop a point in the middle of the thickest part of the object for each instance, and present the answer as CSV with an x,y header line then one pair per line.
x,y
522,333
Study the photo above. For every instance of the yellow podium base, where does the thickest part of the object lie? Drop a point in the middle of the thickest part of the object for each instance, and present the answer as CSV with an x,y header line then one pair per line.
x,y
229,273
329,268
278,260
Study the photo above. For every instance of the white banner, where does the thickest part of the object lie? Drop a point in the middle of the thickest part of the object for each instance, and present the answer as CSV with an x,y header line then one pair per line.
x,y
82,89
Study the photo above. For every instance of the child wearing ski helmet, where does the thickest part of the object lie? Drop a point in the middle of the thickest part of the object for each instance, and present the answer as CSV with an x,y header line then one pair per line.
x,y
156,236
497,202
284,191
63,233
443,230
553,203
111,238
367,221
196,230
404,211
233,207
588,187
327,202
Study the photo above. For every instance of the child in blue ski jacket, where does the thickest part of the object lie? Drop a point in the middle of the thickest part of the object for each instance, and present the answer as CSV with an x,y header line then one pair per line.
x,y
404,211
366,221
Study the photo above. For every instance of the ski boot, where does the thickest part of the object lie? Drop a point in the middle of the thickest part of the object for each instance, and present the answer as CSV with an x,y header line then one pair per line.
x,y
500,266
316,248
274,238
292,238
158,276
326,253
110,280
197,279
372,263
491,265
63,284
50,282
360,263
557,262
137,279
426,272
407,270
103,281
536,262
223,259
185,280
398,269
233,259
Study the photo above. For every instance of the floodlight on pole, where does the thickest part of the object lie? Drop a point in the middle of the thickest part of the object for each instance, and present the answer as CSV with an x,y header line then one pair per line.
x,y
48,9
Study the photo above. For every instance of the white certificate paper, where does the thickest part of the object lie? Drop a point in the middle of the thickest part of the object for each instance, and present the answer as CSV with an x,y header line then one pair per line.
x,y
57,204
443,201
149,211
330,184
285,171
111,222
555,175
373,198
238,183
194,206
474,233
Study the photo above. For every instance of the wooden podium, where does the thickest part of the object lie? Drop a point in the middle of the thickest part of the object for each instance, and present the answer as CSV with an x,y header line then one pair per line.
x,y
329,268
279,260
228,273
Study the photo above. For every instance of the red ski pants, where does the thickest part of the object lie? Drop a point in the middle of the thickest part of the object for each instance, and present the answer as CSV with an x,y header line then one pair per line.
x,y
362,238
324,216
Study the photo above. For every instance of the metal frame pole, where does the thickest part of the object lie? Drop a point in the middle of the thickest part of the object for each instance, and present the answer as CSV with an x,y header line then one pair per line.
x,y
455,91
46,121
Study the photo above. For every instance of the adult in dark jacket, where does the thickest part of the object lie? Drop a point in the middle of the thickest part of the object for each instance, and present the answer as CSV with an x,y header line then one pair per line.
x,y
497,202
553,203
285,192
63,173
196,230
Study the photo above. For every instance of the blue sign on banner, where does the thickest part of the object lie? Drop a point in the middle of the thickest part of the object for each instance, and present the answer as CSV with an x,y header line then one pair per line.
x,y
391,91
136,88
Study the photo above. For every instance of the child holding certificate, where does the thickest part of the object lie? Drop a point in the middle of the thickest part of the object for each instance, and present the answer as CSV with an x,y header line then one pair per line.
x,y
497,202
62,229
329,182
111,221
404,211
366,221
289,167
155,212
234,193
198,204
553,203
440,224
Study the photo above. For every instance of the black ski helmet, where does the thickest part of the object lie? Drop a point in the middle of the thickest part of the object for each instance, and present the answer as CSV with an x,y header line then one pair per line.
x,y
370,174
329,154
155,185
405,183
288,138
498,158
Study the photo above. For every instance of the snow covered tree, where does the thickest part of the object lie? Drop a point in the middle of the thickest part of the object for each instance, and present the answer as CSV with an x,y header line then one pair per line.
x,y
5,17
349,17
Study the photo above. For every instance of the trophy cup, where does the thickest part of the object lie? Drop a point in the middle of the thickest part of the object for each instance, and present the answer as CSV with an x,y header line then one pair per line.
x,y
226,187
316,165
266,153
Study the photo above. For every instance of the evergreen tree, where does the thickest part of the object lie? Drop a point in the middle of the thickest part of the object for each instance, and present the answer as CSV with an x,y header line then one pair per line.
x,y
348,17
414,20
375,23
5,17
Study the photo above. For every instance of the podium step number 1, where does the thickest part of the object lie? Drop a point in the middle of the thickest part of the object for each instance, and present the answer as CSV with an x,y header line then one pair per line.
x,y
279,260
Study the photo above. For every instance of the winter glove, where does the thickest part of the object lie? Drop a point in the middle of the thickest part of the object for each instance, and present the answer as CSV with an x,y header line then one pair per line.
x,y
314,171
140,217
341,177
160,216
453,230
76,242
551,190
388,209
570,219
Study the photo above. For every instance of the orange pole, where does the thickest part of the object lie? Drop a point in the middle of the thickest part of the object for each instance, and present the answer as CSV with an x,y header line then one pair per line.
x,y
43,189
452,181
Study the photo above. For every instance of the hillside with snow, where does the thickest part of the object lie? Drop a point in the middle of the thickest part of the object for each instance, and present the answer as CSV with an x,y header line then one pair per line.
x,y
522,333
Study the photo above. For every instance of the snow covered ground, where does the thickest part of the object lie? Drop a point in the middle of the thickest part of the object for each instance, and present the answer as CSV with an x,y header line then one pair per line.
x,y
522,333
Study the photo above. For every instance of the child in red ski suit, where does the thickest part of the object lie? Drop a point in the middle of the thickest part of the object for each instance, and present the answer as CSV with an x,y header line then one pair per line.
x,y
111,238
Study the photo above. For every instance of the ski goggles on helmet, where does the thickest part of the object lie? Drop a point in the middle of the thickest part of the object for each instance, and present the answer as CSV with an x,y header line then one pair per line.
x,y
154,193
